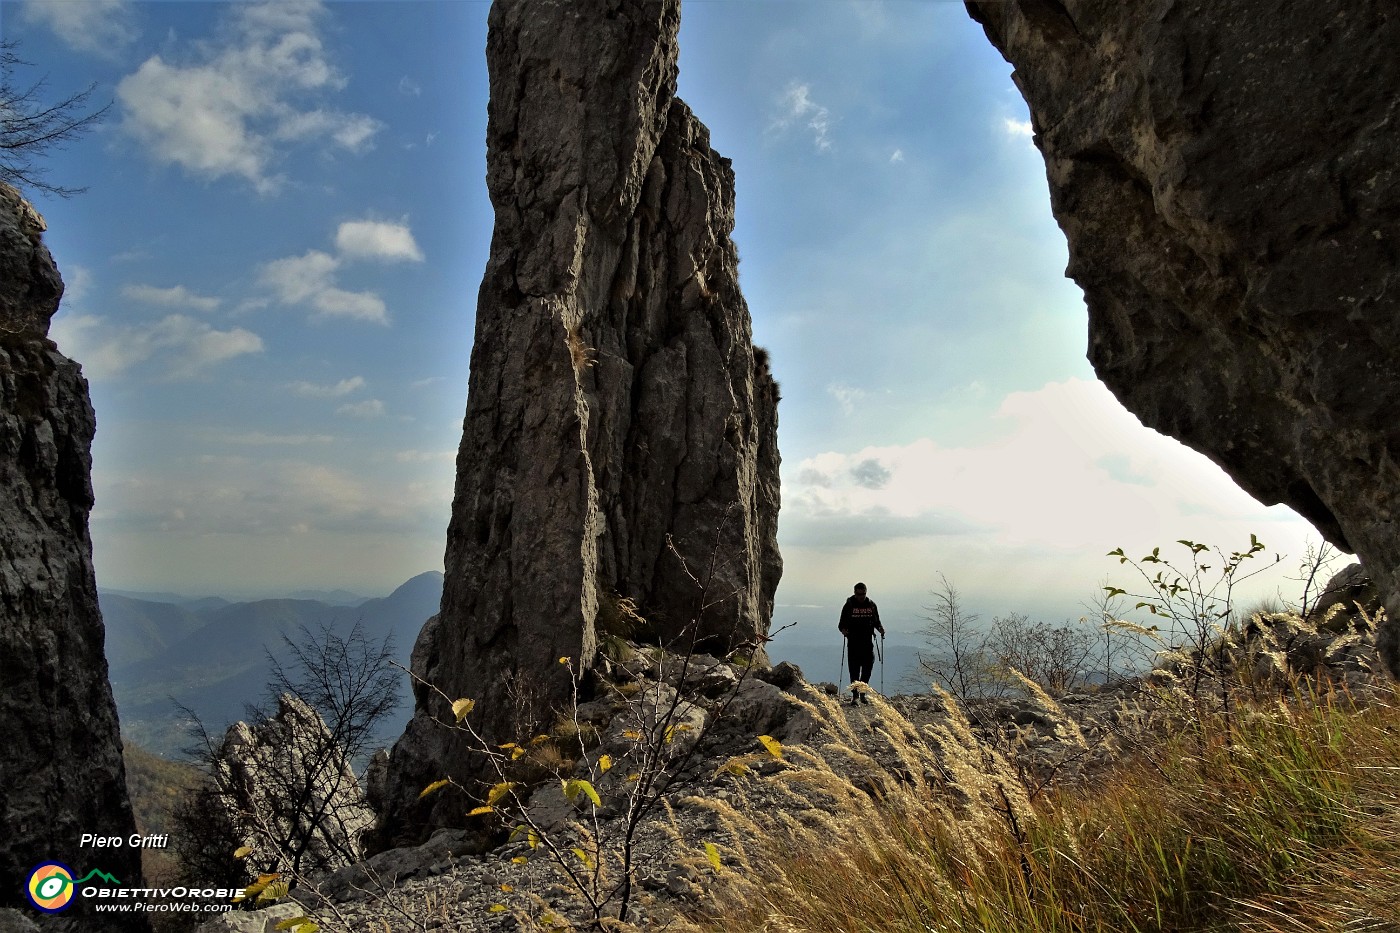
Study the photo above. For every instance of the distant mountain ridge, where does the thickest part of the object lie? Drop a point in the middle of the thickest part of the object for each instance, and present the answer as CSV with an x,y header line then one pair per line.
x,y
210,655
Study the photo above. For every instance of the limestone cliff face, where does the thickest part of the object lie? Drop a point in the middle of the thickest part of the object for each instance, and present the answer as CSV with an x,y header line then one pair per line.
x,y
1226,176
616,401
61,771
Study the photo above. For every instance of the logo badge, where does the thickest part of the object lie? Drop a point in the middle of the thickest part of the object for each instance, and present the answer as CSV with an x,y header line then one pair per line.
x,y
50,887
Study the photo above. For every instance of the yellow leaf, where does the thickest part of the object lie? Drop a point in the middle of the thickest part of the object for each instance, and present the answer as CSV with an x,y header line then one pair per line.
x,y
583,857
532,838
274,891
507,888
460,708
435,786
563,660
733,766
496,908
632,734
481,811
634,777
291,922
712,853
519,860
576,786
499,791
604,763
775,748
242,852
539,740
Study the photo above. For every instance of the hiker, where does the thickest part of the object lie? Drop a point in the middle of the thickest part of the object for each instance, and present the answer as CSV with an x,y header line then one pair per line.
x,y
860,620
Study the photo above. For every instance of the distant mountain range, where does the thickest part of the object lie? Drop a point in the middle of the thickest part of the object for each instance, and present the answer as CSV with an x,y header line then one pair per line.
x,y
210,655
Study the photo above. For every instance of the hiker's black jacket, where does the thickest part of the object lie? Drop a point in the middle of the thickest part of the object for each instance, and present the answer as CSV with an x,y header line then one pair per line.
x,y
860,620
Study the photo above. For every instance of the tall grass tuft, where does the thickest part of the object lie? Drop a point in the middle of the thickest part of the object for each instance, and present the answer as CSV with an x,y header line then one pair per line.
x,y
1280,818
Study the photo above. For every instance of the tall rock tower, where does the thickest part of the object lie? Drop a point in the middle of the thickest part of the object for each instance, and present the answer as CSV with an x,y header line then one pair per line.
x,y
61,771
621,430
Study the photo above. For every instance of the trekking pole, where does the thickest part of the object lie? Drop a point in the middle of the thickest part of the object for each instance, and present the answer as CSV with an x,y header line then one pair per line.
x,y
880,650
843,666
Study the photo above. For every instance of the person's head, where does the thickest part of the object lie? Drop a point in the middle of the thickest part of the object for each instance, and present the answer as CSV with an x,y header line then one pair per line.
x,y
860,590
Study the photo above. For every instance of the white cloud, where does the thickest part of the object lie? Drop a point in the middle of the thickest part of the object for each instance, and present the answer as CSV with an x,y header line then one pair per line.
x,y
100,27
266,497
77,284
426,456
177,296
409,88
262,439
1073,469
298,279
339,390
310,280
183,347
846,396
222,114
796,108
1018,127
359,306
897,156
370,408
1024,519
370,239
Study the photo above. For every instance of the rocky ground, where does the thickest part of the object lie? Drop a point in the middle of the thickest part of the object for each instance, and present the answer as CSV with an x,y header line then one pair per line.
x,y
819,757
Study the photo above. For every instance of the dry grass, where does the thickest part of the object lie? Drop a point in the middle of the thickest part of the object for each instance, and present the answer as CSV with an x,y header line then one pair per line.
x,y
1285,818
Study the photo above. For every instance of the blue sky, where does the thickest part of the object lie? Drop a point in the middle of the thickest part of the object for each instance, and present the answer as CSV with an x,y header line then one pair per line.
x,y
272,280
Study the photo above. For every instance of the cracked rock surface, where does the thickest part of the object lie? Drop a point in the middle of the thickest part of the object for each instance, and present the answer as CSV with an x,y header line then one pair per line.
x,y
61,773
1225,175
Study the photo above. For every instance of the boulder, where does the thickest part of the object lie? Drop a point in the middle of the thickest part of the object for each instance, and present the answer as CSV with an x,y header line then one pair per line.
x,y
288,788
621,428
256,921
1346,590
1225,175
61,774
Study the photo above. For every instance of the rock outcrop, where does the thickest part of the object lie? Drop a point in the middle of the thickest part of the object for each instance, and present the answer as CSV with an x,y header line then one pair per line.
x,y
617,404
1225,174
287,787
61,773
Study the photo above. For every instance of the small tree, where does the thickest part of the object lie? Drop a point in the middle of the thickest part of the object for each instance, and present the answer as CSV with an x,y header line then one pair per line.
x,y
1056,657
1314,572
957,660
1122,651
326,698
1195,602
30,127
